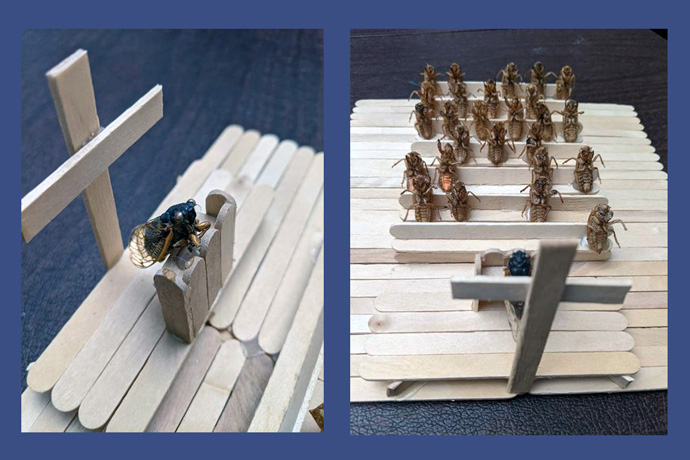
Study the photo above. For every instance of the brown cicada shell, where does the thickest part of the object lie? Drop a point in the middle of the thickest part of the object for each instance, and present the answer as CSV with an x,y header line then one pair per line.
x,y
422,199
532,143
497,139
541,164
538,77
565,83
458,89
446,172
423,120
414,166
544,122
426,93
539,199
599,228
509,80
516,118
571,124
531,99
585,171
458,201
480,120
491,97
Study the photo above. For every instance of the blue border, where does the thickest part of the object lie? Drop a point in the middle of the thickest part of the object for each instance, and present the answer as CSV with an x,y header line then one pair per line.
x,y
336,19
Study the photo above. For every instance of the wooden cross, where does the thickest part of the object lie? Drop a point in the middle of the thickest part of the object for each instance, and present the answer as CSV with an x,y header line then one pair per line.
x,y
92,150
542,292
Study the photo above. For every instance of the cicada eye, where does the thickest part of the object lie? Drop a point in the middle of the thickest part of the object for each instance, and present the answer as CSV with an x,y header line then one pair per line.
x,y
178,216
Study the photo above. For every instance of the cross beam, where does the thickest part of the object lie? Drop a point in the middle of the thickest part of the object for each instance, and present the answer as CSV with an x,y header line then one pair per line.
x,y
542,292
92,150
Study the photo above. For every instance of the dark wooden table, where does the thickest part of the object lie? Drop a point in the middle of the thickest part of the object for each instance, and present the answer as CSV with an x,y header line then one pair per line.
x,y
612,66
267,80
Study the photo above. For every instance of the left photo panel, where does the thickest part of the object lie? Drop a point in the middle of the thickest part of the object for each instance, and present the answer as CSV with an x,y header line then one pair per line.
x,y
172,231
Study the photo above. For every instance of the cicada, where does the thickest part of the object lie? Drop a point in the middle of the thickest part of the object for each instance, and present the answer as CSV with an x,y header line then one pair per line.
x,y
177,227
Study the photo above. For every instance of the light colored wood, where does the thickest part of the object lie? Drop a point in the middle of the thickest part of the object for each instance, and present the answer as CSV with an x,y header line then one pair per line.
x,y
252,381
491,342
210,251
649,336
516,288
77,427
50,197
310,425
647,318
177,399
274,171
494,366
251,217
411,103
52,420
487,230
259,157
245,145
652,356
420,301
226,222
648,378
284,392
183,297
357,343
138,407
279,317
468,321
266,280
546,290
72,91
362,306
87,365
105,395
365,391
46,371
210,399
231,296
218,180
32,405
355,362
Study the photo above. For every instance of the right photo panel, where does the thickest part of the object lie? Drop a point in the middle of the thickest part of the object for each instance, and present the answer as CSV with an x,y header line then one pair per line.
x,y
509,232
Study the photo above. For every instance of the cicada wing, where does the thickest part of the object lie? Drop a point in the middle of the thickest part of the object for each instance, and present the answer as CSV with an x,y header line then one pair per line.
x,y
149,243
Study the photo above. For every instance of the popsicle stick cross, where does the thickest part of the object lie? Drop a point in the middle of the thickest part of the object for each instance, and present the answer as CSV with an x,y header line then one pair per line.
x,y
92,150
542,292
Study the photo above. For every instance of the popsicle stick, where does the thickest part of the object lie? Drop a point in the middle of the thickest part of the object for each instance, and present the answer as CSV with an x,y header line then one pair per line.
x,y
471,230
648,378
364,391
357,344
245,397
652,356
403,132
210,399
265,284
231,296
59,354
362,306
492,342
408,137
285,390
259,157
469,321
279,317
398,109
647,318
32,405
178,398
275,169
52,420
411,102
649,336
88,364
244,146
494,366
105,395
138,407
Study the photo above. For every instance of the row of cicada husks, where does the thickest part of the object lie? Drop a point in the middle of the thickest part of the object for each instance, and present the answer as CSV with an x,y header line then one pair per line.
x,y
418,182
482,111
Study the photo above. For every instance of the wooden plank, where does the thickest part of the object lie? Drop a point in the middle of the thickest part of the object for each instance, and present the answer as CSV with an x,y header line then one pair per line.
x,y
547,288
59,354
652,356
72,91
648,378
88,364
362,306
138,407
282,310
487,230
50,197
647,318
469,321
107,392
245,145
494,366
178,398
259,157
364,391
233,293
491,342
284,392
249,389
210,399
591,106
649,336
266,280
275,169
32,405
517,289
52,420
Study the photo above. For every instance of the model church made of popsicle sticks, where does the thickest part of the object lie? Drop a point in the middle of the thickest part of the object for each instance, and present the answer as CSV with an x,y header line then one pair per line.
x,y
173,347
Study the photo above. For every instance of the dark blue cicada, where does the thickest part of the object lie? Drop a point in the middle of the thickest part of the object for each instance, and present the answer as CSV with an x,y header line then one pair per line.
x,y
175,228
519,264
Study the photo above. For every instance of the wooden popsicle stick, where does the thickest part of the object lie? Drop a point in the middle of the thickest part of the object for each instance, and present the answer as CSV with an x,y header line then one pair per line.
x,y
59,354
310,425
50,197
250,217
556,149
265,284
492,342
285,390
616,137
32,405
249,389
232,294
276,167
658,253
87,365
411,103
52,420
210,399
364,391
141,402
489,230
355,362
279,317
357,344
652,356
218,180
494,366
107,392
428,151
402,118
649,336
469,321
362,306
647,317
244,146
180,394
72,91
648,378
406,110
259,157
